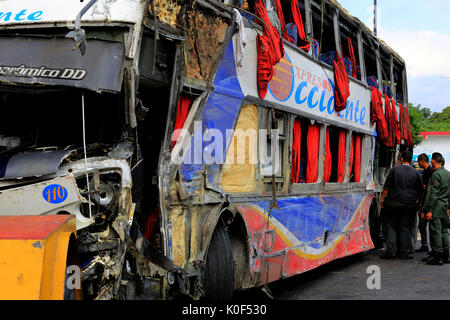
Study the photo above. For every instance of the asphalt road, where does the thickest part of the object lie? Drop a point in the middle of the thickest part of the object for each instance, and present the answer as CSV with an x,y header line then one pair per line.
x,y
346,279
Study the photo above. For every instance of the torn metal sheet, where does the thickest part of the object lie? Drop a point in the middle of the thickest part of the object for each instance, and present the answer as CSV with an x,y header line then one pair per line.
x,y
205,37
123,150
34,164
220,112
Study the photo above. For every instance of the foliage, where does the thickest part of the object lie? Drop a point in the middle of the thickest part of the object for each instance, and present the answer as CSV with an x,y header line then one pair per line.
x,y
423,119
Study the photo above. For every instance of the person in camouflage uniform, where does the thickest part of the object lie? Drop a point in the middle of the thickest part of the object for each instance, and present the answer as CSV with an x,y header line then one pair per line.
x,y
435,210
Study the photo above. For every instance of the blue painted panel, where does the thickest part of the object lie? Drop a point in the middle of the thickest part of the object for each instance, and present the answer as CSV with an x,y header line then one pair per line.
x,y
307,218
226,80
220,113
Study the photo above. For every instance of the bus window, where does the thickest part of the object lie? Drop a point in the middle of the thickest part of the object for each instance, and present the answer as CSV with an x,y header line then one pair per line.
x,y
271,143
398,80
355,158
247,5
386,73
289,20
385,159
327,43
238,172
335,155
305,152
349,44
370,63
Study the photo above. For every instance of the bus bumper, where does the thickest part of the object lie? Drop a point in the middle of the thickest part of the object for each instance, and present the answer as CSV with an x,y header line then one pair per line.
x,y
33,256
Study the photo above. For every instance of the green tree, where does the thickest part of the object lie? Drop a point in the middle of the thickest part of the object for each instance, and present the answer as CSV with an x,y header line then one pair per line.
x,y
416,119
423,119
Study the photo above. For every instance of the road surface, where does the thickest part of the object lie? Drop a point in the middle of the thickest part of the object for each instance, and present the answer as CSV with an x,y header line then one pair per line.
x,y
346,279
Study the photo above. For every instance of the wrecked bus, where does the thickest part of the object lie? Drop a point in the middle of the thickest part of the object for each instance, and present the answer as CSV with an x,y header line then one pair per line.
x,y
188,168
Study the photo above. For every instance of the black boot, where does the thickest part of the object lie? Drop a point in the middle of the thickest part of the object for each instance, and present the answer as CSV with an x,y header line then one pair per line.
x,y
445,256
423,248
428,257
436,260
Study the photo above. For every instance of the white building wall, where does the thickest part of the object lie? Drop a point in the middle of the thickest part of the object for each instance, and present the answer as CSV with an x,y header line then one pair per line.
x,y
432,144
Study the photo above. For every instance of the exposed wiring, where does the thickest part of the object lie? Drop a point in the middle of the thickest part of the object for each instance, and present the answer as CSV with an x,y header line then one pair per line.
x,y
85,153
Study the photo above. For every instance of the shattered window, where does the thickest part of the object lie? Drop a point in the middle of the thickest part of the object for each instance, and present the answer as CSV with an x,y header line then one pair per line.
x,y
323,31
272,140
398,81
370,62
349,45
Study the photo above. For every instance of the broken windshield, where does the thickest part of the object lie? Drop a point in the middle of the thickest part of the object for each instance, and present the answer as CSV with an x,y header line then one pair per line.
x,y
52,120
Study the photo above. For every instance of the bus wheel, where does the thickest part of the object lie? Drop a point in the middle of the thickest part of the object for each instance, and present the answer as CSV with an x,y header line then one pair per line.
x,y
375,226
219,282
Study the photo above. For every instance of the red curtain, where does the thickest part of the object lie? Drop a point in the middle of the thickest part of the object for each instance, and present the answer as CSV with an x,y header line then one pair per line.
x,y
398,135
352,152
184,104
405,126
312,164
297,17
357,169
282,21
409,138
269,48
391,123
352,57
296,151
151,224
342,86
341,157
377,115
328,160
265,64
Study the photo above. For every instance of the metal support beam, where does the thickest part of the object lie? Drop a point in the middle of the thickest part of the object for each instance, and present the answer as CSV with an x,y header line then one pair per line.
x,y
391,70
308,18
379,72
322,137
337,37
362,64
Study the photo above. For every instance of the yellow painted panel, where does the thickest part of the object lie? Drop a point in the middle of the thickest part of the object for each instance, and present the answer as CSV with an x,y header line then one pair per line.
x,y
239,172
195,232
177,217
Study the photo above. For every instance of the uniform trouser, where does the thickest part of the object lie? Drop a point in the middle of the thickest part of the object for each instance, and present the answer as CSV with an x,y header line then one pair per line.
x,y
423,232
439,235
398,234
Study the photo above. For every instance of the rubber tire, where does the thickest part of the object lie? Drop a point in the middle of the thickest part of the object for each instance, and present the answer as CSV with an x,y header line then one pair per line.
x,y
375,226
219,281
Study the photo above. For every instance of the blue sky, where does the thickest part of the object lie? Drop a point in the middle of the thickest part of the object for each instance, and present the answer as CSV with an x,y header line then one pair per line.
x,y
420,32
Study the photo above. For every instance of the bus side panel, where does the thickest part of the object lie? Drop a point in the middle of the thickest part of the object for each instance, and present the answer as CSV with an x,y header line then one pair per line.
x,y
305,233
